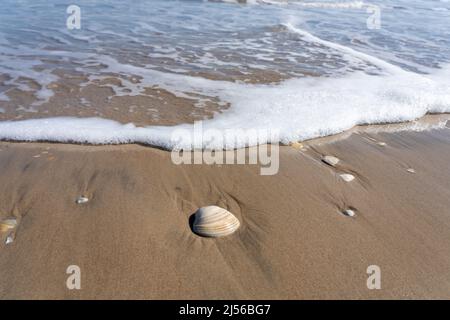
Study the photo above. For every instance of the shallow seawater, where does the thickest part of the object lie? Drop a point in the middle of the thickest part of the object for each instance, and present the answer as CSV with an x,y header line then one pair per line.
x,y
303,69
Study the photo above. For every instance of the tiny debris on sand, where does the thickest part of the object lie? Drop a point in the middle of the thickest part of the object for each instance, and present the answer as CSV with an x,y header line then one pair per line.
x,y
297,145
411,170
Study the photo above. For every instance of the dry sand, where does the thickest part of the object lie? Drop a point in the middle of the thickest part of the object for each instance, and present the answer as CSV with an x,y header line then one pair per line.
x,y
133,239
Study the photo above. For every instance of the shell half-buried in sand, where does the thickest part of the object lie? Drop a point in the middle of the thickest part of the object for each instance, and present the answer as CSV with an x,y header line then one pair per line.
x,y
213,221
330,160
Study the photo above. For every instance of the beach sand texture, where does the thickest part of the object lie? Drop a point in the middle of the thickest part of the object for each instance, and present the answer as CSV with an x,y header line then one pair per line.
x,y
132,239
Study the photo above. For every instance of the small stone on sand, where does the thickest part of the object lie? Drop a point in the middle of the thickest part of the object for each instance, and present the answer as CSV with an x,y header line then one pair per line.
x,y
383,144
330,160
81,200
347,177
411,170
348,213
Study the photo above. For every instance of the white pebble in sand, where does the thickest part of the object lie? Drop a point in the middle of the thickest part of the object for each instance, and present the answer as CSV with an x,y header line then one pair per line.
x,y
411,170
348,213
9,240
347,177
81,200
330,160
383,144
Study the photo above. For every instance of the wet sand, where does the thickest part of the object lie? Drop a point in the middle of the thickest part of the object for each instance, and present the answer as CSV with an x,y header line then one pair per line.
x,y
75,96
133,238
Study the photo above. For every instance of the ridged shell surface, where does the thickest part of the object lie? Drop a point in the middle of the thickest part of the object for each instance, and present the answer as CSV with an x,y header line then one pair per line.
x,y
213,221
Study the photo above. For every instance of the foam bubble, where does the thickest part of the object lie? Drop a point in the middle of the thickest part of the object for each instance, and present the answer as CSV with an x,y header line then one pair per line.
x,y
299,109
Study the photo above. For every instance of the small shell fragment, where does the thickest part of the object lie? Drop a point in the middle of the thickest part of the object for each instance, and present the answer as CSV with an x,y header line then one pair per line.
x,y
382,144
213,221
347,177
8,224
297,145
330,160
348,213
82,200
411,170
9,239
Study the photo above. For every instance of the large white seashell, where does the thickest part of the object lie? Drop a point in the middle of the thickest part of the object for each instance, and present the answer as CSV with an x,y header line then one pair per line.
x,y
213,221
330,160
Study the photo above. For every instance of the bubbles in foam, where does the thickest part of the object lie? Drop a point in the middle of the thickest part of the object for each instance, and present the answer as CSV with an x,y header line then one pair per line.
x,y
365,76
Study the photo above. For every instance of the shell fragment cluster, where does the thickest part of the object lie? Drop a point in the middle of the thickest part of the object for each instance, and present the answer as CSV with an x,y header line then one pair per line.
x,y
213,221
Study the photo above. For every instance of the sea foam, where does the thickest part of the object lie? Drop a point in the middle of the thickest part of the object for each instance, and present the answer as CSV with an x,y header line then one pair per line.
x,y
298,108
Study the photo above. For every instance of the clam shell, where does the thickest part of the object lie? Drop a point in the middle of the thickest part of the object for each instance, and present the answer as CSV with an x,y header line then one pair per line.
x,y
330,160
9,240
213,221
